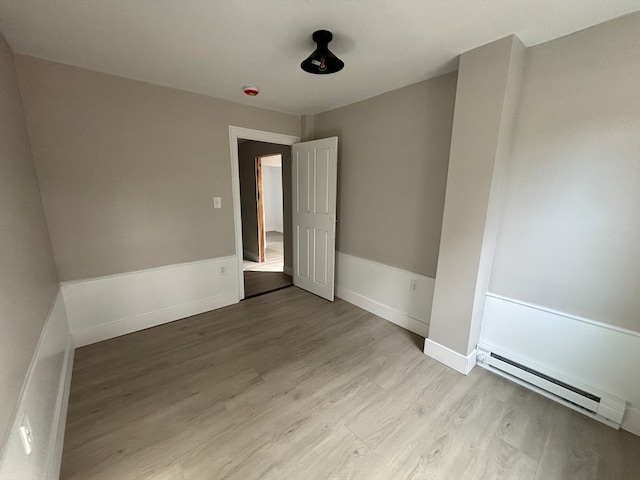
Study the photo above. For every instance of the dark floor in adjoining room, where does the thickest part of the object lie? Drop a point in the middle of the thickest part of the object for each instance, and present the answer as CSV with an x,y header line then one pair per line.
x,y
268,276
259,283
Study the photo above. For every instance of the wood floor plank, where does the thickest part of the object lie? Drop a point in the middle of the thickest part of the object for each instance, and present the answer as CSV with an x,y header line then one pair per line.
x,y
580,448
527,422
314,429
274,255
447,432
289,386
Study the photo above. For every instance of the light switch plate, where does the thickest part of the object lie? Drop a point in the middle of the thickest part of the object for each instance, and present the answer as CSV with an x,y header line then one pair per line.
x,y
217,202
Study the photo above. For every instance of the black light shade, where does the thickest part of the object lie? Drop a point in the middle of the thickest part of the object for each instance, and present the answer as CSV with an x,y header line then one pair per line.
x,y
322,61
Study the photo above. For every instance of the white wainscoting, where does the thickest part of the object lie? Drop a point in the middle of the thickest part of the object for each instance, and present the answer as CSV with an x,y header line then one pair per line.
x,y
107,307
385,291
603,356
44,401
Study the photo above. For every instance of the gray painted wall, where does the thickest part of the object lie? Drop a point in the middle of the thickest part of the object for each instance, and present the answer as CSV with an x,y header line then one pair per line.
x,y
28,281
392,171
570,234
129,170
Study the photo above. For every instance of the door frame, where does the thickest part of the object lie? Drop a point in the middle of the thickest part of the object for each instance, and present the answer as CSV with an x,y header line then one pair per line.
x,y
236,133
260,211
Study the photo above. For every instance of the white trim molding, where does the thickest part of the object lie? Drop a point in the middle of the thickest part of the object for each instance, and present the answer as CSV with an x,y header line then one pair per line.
x,y
43,400
386,291
107,307
61,411
603,356
399,318
631,420
569,316
123,326
236,133
457,361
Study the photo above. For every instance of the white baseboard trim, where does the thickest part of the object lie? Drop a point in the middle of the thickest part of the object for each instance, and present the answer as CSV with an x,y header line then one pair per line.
x,y
386,291
383,311
580,350
61,412
98,333
44,401
455,360
288,270
250,256
107,307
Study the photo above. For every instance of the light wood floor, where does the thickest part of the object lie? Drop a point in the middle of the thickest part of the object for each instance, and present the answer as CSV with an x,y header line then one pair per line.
x,y
273,253
289,386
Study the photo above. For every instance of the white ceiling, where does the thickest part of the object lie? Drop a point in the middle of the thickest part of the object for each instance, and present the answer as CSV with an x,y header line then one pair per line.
x,y
214,47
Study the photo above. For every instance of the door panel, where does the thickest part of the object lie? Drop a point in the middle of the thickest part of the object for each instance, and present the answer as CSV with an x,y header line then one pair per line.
x,y
314,215
322,172
303,251
321,247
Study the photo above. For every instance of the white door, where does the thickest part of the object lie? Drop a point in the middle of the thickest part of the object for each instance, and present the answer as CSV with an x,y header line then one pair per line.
x,y
314,176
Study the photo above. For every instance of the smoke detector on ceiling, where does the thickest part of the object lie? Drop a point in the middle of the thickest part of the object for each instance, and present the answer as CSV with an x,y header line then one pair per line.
x,y
251,90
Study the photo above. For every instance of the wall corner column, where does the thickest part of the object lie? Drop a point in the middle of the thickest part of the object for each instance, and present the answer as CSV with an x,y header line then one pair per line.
x,y
487,98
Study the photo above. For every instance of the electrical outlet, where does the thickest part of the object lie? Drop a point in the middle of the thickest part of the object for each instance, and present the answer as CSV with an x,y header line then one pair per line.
x,y
26,435
414,286
223,271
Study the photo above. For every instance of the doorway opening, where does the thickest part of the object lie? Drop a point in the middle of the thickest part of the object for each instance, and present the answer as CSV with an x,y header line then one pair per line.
x,y
248,146
262,198
309,220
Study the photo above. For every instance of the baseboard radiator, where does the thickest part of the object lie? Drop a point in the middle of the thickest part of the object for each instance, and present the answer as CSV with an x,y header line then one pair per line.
x,y
584,399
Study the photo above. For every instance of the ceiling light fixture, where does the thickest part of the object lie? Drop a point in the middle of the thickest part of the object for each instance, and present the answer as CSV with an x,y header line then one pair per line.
x,y
322,61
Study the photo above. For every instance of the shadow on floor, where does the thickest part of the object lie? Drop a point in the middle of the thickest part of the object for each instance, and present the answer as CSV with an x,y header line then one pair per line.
x,y
259,283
